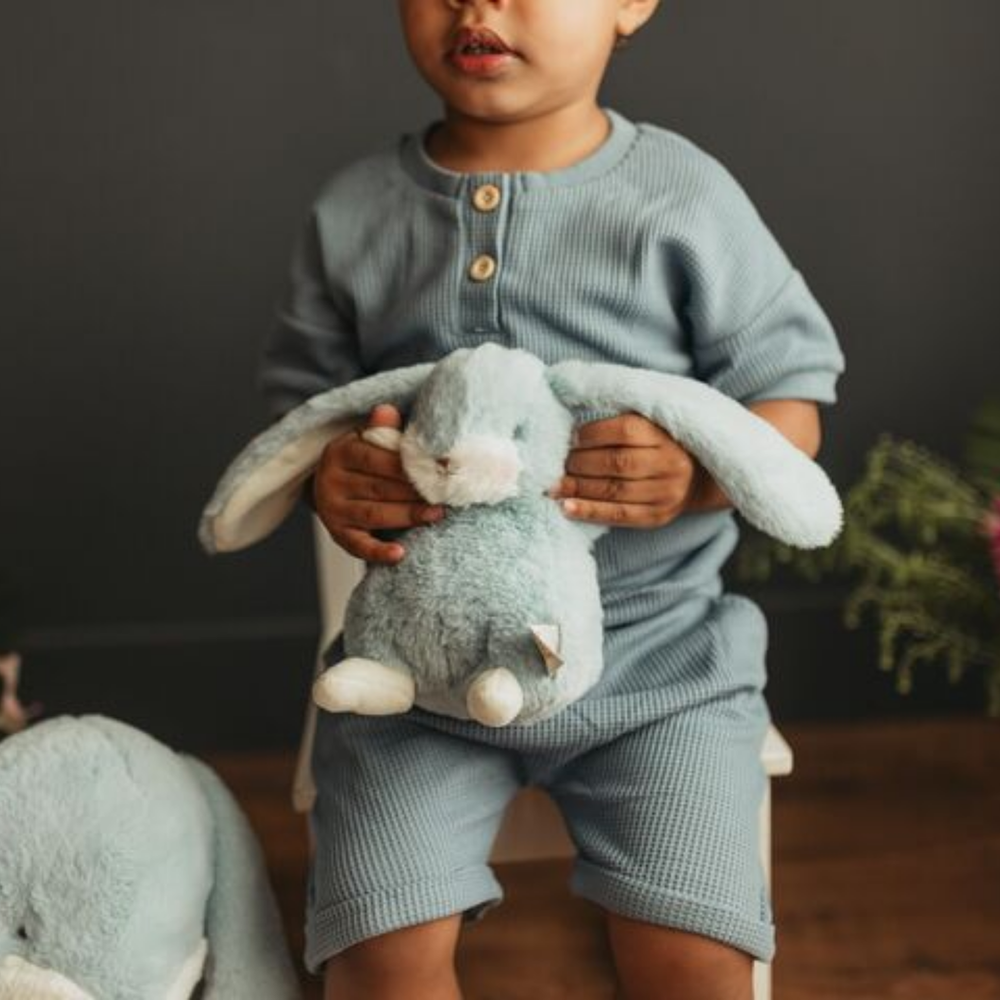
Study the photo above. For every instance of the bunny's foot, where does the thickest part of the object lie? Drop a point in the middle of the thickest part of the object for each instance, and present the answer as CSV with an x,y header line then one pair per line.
x,y
366,687
494,698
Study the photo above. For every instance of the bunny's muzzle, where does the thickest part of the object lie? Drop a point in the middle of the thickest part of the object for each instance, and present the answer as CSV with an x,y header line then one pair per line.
x,y
477,469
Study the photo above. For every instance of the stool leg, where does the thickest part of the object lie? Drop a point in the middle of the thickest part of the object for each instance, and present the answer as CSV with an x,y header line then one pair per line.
x,y
762,971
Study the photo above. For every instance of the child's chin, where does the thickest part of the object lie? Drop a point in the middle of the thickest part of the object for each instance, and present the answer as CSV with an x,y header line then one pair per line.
x,y
495,99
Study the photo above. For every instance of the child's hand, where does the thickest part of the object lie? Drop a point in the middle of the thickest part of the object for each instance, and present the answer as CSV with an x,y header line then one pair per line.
x,y
628,472
359,487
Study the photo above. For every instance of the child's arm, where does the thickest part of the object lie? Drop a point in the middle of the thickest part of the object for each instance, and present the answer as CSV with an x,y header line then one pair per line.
x,y
357,488
756,334
628,472
312,345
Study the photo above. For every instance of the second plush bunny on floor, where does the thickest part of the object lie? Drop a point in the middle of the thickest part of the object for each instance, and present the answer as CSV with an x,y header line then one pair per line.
x,y
495,612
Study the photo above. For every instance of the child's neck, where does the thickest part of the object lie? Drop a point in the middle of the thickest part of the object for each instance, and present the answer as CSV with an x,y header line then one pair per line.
x,y
549,141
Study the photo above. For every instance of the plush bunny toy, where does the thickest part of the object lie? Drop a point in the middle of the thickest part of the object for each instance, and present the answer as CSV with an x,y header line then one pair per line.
x,y
128,872
494,614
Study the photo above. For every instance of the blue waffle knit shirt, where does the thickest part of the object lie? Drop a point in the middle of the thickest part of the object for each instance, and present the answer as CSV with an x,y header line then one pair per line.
x,y
645,253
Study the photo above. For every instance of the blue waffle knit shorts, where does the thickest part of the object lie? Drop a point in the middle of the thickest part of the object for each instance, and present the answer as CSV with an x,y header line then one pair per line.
x,y
656,772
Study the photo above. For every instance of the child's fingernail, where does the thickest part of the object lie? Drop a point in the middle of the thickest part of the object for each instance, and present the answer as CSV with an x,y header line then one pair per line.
x,y
433,514
570,507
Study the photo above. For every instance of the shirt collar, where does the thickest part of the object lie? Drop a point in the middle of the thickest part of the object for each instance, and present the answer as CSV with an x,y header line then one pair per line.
x,y
429,174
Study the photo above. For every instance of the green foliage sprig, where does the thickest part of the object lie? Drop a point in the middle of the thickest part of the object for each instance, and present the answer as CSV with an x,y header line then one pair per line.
x,y
921,544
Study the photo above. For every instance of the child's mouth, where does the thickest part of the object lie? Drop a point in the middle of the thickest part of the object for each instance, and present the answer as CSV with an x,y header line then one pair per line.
x,y
480,52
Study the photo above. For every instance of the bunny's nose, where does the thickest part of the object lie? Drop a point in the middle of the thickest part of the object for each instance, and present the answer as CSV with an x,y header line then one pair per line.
x,y
443,463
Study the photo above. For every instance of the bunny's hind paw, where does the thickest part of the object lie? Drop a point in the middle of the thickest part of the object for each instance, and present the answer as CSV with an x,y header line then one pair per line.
x,y
494,698
366,687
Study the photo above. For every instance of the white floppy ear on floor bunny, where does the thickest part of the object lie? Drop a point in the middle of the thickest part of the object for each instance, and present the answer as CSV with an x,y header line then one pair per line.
x,y
262,485
773,484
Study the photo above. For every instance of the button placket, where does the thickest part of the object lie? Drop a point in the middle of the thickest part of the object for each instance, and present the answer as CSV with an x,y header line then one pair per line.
x,y
485,203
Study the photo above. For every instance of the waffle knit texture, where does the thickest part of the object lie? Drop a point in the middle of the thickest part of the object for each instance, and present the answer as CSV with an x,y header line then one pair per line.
x,y
656,771
646,253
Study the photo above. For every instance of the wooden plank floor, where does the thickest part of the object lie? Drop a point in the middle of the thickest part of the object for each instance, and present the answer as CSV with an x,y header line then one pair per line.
x,y
887,875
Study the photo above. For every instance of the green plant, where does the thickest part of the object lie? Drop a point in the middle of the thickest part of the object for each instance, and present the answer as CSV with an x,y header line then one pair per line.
x,y
921,543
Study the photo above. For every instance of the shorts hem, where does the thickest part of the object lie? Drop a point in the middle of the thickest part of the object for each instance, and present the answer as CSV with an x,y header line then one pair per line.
x,y
334,928
632,899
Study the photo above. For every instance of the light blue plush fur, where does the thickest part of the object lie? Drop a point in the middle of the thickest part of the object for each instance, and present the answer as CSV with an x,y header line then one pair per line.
x,y
117,856
471,587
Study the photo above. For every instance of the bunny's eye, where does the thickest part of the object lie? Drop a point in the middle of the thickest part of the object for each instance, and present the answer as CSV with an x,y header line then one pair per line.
x,y
22,933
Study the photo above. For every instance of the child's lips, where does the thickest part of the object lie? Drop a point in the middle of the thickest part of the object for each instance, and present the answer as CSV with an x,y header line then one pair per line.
x,y
481,64
479,36
480,52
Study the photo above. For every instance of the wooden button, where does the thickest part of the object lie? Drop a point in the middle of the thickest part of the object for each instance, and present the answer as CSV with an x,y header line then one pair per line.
x,y
482,268
486,197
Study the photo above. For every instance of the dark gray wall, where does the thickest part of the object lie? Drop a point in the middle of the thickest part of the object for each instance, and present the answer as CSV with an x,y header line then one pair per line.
x,y
155,162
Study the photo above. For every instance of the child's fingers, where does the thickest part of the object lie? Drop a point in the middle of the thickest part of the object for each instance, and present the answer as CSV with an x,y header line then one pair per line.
x,y
628,429
618,463
621,515
385,415
377,514
363,545
661,490
356,486
360,456
350,452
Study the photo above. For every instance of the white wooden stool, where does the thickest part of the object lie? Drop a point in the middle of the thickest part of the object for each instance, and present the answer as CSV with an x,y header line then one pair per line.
x,y
532,828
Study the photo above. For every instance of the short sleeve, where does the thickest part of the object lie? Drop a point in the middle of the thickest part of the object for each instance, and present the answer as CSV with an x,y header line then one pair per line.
x,y
312,345
756,330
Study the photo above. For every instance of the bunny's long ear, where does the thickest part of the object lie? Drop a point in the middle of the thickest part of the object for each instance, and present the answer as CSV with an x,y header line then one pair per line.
x,y
248,957
776,487
261,486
